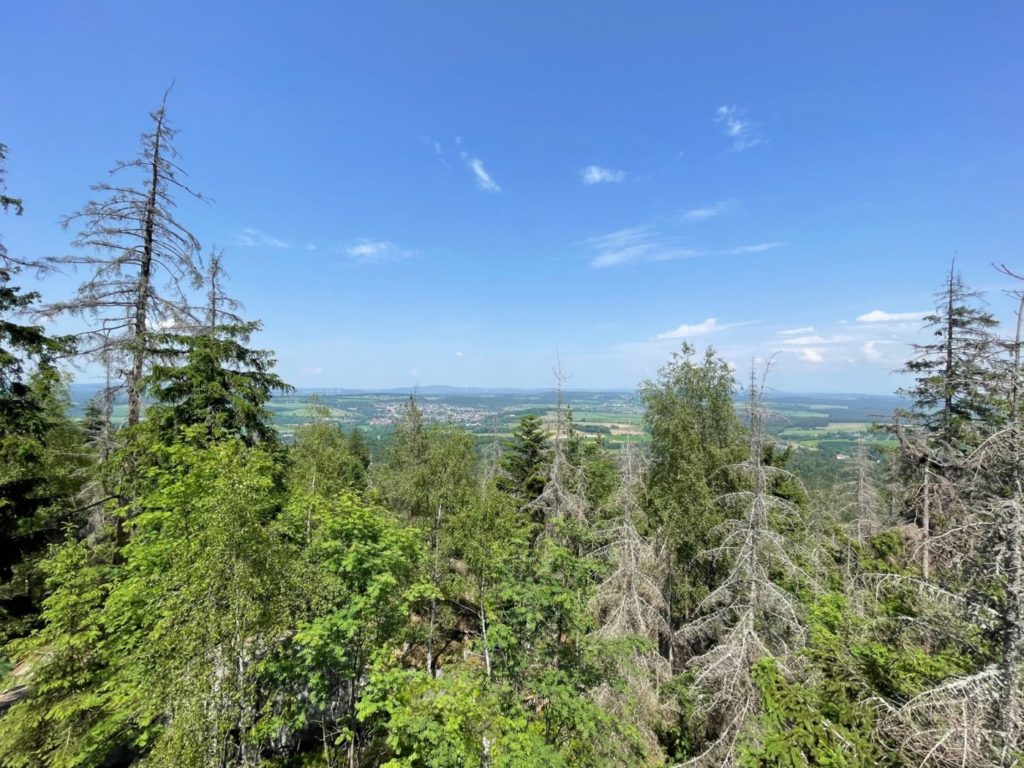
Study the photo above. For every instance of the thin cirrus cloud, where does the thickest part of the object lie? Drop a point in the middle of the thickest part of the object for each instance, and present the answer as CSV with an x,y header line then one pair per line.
x,y
797,331
737,127
708,211
648,244
880,316
484,180
253,238
596,174
368,251
635,245
815,339
711,325
740,250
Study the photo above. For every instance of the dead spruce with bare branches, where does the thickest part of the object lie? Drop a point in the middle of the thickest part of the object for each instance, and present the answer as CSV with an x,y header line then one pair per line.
x,y
747,617
142,260
629,604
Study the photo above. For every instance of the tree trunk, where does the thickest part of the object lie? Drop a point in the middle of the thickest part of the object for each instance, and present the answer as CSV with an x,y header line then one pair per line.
x,y
142,291
926,522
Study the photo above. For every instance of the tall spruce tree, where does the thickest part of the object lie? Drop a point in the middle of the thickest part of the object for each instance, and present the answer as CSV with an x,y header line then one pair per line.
x,y
212,378
142,260
524,462
40,448
953,395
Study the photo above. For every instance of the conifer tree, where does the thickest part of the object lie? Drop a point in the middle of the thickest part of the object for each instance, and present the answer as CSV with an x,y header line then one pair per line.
x,y
142,260
212,379
40,448
953,396
694,433
524,460
748,617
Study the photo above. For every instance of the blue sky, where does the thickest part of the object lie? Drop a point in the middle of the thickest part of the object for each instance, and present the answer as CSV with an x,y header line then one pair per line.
x,y
456,192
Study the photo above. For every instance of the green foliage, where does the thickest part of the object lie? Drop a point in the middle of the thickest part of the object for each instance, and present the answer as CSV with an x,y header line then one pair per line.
x,y
525,460
694,434
324,460
954,393
356,574
41,457
70,718
207,590
455,721
794,729
219,384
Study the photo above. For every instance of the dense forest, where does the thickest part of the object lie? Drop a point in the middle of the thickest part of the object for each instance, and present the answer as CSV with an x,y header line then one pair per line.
x,y
186,588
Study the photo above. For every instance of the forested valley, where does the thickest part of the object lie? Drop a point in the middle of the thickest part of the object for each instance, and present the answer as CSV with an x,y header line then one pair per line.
x,y
185,588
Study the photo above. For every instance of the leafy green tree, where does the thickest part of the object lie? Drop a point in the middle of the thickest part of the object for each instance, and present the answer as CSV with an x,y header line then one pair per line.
x,y
208,590
357,568
490,539
321,460
596,463
65,715
359,448
455,721
428,478
44,463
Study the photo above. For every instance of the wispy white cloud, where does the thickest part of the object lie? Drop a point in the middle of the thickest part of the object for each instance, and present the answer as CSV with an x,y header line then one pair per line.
x,y
253,238
376,251
741,131
754,248
711,325
596,174
650,243
484,180
636,244
797,331
810,355
871,351
708,211
815,339
459,354
880,316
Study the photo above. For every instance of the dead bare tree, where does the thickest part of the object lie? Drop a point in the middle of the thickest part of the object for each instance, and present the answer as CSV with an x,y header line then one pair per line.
x,y
747,617
629,604
860,502
142,260
978,719
629,601
564,498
